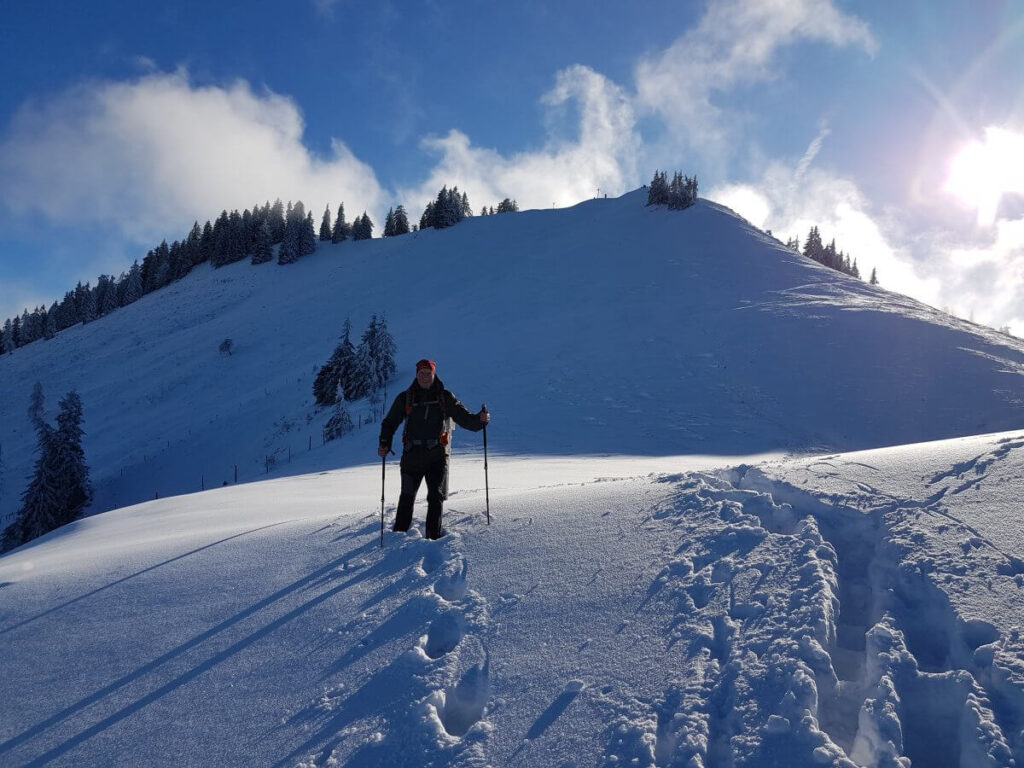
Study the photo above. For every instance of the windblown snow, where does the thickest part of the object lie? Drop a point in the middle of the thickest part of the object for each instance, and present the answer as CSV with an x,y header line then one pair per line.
x,y
743,512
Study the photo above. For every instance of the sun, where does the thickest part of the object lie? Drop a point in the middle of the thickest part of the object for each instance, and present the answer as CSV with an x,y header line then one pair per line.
x,y
984,171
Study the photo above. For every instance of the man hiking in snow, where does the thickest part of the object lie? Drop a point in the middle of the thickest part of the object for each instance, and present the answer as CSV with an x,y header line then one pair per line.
x,y
427,409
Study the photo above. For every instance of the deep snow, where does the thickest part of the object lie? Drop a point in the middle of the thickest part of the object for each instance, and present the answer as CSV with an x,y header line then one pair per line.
x,y
664,583
617,611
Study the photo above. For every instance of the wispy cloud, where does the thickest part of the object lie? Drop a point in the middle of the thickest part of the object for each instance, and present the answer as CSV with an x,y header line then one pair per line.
x,y
735,43
151,155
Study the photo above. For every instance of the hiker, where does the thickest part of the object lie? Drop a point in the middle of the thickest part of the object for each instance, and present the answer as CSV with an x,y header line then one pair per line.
x,y
427,409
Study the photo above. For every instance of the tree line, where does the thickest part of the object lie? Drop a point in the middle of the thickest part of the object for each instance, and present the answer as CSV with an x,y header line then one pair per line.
x,y
259,234
814,248
59,488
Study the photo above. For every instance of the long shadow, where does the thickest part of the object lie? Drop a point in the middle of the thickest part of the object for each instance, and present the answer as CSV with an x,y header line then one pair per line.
x,y
551,714
112,584
410,617
381,696
380,569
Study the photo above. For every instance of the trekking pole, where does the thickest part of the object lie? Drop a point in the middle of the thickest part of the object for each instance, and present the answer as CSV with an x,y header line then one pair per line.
x,y
487,484
383,469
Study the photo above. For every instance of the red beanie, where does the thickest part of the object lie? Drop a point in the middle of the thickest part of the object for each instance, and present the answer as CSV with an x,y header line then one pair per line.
x,y
424,363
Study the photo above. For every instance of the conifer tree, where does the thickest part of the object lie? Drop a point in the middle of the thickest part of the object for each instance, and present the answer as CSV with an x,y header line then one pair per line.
x,y
427,219
381,346
110,302
51,320
325,225
362,229
658,192
262,250
133,288
288,253
342,231
339,423
401,221
276,222
874,276
87,308
76,489
59,489
307,236
38,512
813,248
360,381
389,223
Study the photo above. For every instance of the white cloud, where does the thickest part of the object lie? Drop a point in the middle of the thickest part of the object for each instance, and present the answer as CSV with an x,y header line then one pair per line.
x,y
986,282
152,155
790,201
602,155
734,43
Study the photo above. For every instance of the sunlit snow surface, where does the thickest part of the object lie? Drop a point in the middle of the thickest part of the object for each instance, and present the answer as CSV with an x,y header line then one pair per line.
x,y
687,565
616,611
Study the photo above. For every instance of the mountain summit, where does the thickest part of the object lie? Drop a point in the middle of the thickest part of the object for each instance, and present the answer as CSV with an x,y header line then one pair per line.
x,y
609,327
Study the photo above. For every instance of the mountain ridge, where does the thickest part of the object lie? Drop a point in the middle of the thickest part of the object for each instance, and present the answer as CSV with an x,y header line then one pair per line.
x,y
608,327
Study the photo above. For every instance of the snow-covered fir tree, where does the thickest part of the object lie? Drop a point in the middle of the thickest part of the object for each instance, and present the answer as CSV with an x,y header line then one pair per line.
x,y
658,192
381,346
362,229
262,249
341,231
307,236
73,473
401,223
276,221
359,382
335,373
325,225
339,424
133,288
59,488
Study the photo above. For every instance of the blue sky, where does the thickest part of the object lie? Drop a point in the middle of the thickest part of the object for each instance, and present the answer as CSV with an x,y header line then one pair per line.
x,y
898,128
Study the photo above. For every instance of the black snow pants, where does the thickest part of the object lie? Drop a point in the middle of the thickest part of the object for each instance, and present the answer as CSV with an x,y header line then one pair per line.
x,y
419,463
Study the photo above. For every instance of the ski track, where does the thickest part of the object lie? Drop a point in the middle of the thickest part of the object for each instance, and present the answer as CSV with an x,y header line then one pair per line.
x,y
428,706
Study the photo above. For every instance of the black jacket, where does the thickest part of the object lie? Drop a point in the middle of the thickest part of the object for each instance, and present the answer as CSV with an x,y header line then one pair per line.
x,y
426,423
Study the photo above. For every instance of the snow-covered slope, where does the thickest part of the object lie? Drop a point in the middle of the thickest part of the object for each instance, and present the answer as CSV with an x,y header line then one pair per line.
x,y
609,327
632,603
851,609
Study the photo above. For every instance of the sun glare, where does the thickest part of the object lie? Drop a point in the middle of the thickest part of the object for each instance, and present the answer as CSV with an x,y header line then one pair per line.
x,y
984,171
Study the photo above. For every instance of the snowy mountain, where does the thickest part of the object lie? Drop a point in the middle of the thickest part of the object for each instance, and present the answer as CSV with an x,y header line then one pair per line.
x,y
610,327
674,574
